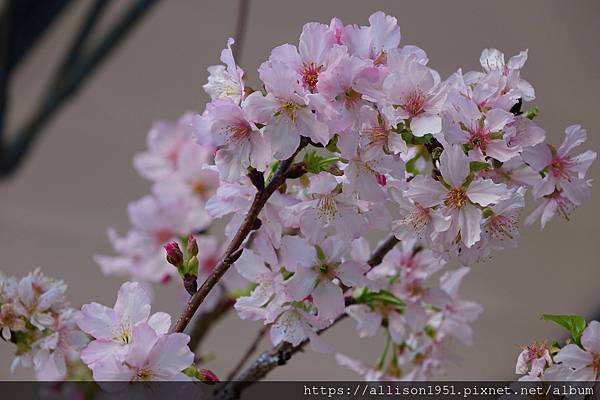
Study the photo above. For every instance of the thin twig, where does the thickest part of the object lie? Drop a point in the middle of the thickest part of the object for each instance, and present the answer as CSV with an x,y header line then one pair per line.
x,y
248,353
280,354
234,250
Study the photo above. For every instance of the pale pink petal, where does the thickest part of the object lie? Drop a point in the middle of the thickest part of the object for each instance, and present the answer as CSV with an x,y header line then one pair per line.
x,y
574,357
301,284
170,355
133,303
454,165
424,124
99,350
329,299
469,220
574,136
97,320
251,266
160,322
397,327
591,337
296,253
486,192
425,191
538,156
368,321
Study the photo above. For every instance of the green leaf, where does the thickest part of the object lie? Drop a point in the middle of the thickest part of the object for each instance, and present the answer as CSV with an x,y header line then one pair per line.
x,y
410,165
573,323
315,163
423,140
532,113
476,166
192,372
332,145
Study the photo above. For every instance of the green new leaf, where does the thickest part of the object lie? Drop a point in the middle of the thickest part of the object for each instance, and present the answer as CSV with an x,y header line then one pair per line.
x,y
476,166
426,139
531,114
315,163
411,167
573,323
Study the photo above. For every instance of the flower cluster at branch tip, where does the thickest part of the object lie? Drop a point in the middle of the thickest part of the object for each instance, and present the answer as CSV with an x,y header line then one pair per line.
x,y
576,360
372,142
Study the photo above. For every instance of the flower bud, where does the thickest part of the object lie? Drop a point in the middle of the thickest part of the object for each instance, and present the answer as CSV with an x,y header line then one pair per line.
x,y
207,376
174,254
192,246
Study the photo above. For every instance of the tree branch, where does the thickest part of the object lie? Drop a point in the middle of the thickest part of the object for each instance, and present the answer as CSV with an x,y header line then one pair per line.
x,y
234,250
382,250
280,354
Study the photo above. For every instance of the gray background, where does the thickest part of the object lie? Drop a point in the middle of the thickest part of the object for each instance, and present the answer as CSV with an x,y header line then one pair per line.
x,y
79,178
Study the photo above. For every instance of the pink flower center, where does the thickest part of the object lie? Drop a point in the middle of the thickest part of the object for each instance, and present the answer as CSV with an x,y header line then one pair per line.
x,y
289,110
351,98
326,208
535,351
144,374
310,76
377,135
381,59
456,198
565,206
500,226
479,139
596,364
418,219
238,132
413,104
559,167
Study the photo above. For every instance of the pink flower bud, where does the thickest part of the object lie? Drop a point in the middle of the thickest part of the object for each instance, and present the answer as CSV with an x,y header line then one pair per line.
x,y
192,246
381,180
207,376
174,254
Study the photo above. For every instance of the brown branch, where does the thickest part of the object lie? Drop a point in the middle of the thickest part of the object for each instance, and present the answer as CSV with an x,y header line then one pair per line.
x,y
283,352
234,250
382,250
251,349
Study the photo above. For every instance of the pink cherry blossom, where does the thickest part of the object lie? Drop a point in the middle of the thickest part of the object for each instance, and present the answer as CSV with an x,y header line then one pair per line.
x,y
455,199
151,357
584,360
562,170
112,328
226,81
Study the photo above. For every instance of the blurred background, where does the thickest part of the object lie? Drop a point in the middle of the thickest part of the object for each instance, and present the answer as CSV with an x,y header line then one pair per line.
x,y
77,179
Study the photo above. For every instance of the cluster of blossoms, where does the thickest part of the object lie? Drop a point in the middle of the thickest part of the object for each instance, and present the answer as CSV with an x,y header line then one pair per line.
x,y
577,360
350,136
124,343
129,344
35,316
419,316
